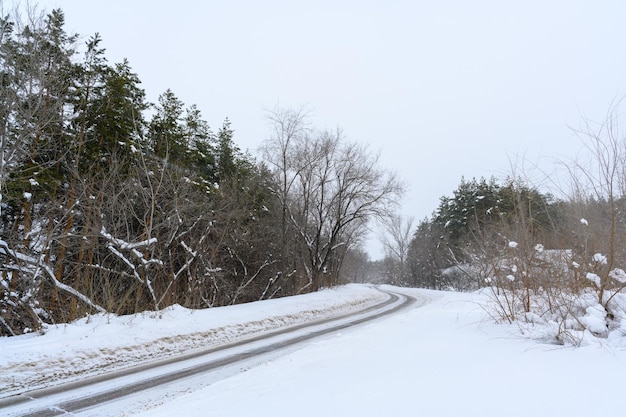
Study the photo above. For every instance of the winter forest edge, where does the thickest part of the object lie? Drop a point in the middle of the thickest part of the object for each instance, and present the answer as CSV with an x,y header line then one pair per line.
x,y
112,204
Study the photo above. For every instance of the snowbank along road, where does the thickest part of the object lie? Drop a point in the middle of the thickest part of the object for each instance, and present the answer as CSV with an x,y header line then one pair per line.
x,y
198,368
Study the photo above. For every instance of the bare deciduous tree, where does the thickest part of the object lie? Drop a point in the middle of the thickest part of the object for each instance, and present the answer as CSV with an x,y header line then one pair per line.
x,y
396,239
288,129
331,189
599,187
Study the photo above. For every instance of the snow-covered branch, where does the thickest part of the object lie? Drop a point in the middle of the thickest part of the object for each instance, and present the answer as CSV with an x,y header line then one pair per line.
x,y
116,245
49,273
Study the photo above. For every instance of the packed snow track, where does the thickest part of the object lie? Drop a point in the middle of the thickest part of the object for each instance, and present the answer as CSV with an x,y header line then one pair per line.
x,y
191,371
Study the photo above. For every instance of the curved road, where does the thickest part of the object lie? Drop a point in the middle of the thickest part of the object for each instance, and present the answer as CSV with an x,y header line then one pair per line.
x,y
88,393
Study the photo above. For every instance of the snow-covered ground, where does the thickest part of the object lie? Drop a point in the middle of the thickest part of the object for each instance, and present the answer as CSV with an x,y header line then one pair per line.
x,y
104,343
446,358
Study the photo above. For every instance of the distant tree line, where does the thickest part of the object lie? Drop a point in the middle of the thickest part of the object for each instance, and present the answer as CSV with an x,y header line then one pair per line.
x,y
541,258
480,217
104,209
456,247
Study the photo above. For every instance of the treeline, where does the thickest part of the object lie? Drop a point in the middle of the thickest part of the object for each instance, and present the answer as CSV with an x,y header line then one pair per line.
x,y
461,245
478,220
470,238
104,209
542,259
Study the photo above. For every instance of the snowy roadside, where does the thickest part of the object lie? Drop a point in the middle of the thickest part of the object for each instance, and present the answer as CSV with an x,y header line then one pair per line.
x,y
104,343
446,358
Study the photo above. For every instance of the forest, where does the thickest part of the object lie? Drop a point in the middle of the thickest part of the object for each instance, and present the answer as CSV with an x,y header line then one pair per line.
x,y
542,259
113,204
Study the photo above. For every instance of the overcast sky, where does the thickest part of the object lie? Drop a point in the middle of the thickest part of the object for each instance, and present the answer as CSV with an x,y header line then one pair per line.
x,y
443,89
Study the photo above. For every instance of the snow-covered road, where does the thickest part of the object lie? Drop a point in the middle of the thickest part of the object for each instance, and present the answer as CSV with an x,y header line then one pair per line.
x,y
202,366
446,358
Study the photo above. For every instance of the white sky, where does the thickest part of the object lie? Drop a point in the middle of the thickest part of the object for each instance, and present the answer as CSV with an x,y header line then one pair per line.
x,y
443,89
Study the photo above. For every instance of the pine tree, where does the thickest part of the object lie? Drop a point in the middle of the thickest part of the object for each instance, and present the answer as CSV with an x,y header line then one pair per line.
x,y
226,152
166,134
109,103
201,153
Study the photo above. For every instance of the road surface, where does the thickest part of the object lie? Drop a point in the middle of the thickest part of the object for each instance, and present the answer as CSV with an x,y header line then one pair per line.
x,y
199,368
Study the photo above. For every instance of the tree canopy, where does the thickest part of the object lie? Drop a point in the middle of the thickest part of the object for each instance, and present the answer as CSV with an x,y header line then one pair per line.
x,y
110,203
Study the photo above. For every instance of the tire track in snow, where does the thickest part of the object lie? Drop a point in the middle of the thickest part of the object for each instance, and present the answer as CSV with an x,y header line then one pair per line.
x,y
53,401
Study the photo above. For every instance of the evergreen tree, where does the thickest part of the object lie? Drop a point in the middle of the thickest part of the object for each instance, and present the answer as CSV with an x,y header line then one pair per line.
x,y
183,138
108,109
38,71
201,148
477,219
227,165
166,133
474,205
